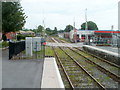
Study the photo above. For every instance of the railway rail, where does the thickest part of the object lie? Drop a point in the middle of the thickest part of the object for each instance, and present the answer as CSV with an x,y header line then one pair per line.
x,y
100,59
109,68
110,71
77,76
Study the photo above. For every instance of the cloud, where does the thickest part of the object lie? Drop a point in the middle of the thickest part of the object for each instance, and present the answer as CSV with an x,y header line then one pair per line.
x,y
60,13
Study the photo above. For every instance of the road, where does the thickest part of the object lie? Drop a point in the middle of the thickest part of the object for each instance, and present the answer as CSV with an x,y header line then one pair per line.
x,y
21,73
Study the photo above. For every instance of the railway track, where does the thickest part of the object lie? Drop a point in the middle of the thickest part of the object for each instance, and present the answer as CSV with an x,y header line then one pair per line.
x,y
85,59
100,59
77,76
107,67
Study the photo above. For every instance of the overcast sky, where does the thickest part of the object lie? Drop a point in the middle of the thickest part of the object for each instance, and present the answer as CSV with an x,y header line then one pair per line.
x,y
59,13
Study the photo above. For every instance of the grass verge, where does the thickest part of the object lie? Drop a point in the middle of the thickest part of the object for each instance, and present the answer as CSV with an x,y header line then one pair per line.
x,y
48,51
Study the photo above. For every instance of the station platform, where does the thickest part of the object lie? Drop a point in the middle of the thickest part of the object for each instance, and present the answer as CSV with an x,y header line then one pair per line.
x,y
51,77
108,53
107,49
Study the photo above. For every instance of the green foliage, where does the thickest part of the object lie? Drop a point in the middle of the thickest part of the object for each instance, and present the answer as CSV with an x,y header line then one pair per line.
x,y
13,18
20,37
40,28
51,32
55,30
4,44
48,31
34,30
39,31
48,51
91,26
27,29
4,37
68,28
61,31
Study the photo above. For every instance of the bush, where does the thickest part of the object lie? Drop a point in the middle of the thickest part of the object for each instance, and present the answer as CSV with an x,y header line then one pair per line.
x,y
19,37
5,44
4,37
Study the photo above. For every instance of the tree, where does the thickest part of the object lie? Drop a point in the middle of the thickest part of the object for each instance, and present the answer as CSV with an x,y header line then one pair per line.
x,y
40,28
68,28
91,26
4,37
48,31
61,31
55,30
13,18
39,31
51,32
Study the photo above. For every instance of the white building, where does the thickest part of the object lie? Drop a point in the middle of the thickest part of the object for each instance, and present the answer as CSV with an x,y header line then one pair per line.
x,y
81,34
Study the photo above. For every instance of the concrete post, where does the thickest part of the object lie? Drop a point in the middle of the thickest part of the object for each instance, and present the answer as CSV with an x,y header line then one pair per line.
x,y
29,46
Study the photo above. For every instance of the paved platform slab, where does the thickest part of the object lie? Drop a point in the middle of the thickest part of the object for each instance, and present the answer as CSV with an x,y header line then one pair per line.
x,y
103,53
109,48
51,77
21,73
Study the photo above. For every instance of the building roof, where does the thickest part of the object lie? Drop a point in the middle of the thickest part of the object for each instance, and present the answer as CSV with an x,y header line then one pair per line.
x,y
102,31
29,31
110,31
25,32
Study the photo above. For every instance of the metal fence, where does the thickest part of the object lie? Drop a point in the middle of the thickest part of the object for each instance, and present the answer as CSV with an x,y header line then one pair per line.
x,y
15,48
17,51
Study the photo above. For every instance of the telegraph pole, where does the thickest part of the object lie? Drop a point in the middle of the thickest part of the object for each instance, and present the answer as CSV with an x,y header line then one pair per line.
x,y
43,28
86,27
75,32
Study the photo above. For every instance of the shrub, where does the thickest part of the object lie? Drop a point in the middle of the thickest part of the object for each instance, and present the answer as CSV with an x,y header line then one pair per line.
x,y
5,44
19,37
4,37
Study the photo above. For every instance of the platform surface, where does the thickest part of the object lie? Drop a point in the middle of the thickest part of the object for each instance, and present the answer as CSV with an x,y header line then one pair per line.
x,y
106,50
21,73
51,76
109,48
